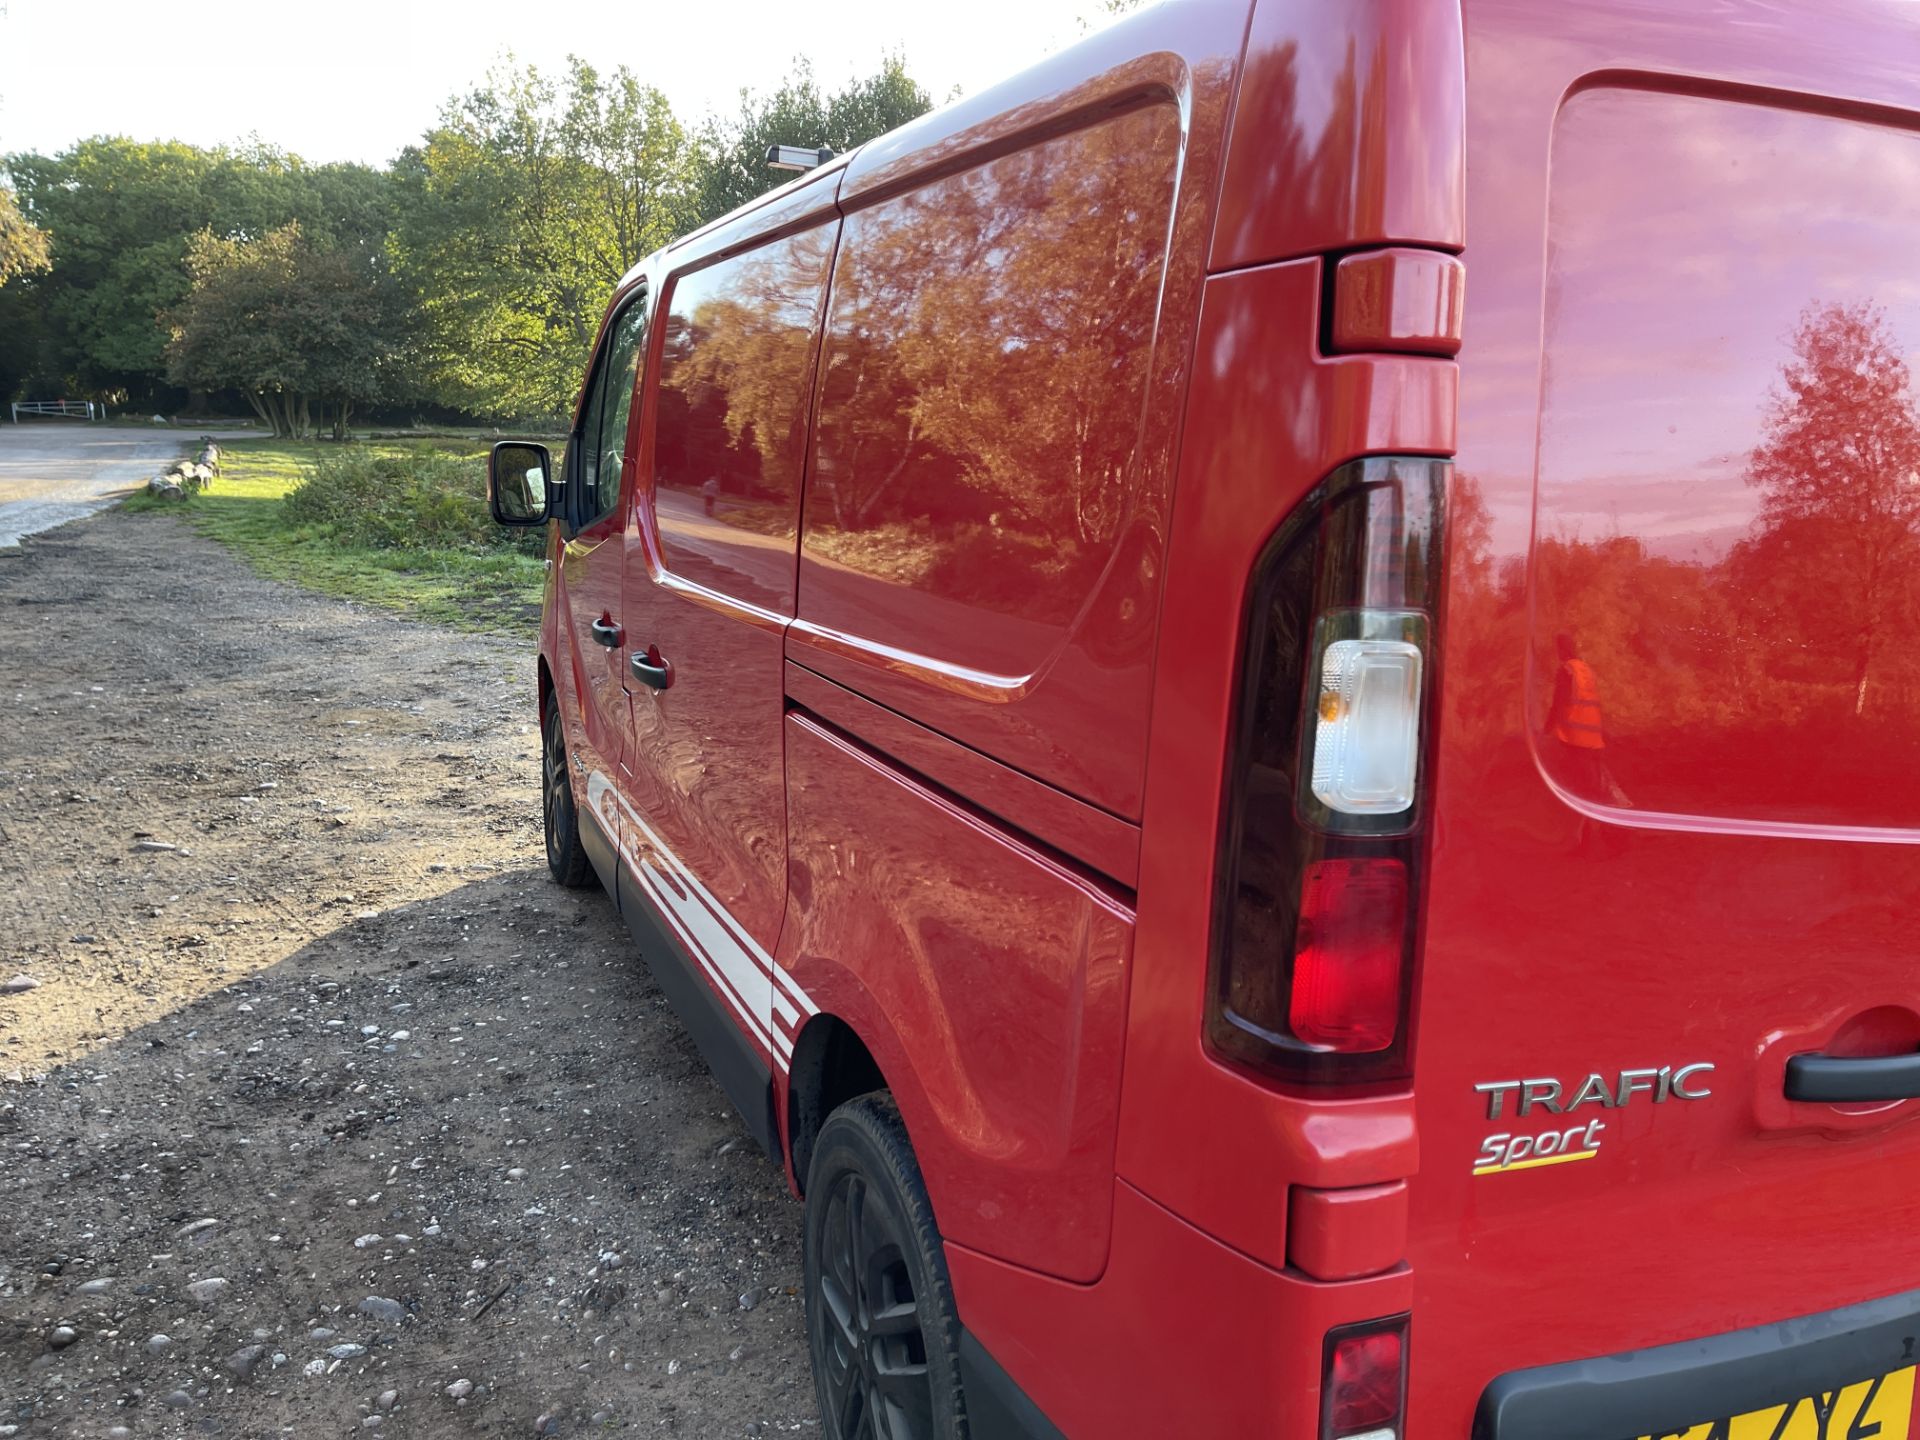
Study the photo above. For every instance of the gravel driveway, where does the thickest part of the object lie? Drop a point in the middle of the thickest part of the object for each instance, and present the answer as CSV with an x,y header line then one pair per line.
x,y
322,1111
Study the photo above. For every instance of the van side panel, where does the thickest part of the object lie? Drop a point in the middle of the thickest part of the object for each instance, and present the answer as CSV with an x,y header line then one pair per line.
x,y
730,420
988,982
1007,341
982,547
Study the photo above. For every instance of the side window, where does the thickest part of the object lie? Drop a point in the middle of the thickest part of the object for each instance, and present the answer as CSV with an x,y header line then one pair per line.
x,y
730,429
602,436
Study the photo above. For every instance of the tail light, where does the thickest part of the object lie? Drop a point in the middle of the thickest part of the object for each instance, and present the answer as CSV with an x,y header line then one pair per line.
x,y
1320,854
1347,954
1363,1386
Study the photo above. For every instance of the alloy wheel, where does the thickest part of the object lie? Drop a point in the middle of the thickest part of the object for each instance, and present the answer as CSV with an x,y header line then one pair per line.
x,y
873,1353
554,790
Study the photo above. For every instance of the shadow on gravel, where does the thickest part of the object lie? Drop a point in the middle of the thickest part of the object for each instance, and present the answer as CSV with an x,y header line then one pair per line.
x,y
453,1168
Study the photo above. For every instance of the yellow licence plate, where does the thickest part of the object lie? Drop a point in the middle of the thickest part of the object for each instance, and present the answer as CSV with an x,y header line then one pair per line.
x,y
1877,1409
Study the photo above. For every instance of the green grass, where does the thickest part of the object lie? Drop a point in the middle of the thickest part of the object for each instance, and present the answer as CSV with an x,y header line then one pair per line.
x,y
486,583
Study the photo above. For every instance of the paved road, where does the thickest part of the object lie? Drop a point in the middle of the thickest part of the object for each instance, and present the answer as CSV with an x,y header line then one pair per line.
x,y
53,471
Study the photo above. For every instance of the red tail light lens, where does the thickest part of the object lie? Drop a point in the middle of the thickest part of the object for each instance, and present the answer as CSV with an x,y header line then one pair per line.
x,y
1325,787
1347,957
1364,1388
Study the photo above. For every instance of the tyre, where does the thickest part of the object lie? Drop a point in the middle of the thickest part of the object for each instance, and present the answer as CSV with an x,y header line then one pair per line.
x,y
566,857
881,1327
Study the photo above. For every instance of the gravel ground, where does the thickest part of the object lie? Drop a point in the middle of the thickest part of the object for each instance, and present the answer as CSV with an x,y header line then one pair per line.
x,y
322,1110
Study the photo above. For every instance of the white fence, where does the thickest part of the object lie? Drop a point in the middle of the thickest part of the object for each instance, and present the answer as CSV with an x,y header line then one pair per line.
x,y
70,409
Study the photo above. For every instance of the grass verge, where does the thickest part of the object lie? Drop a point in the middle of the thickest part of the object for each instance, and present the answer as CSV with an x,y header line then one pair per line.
x,y
464,573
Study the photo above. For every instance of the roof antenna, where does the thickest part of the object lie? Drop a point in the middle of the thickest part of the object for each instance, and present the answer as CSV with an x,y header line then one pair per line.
x,y
796,157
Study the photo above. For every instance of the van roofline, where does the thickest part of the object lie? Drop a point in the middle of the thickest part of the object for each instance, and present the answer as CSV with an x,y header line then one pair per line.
x,y
961,126
799,182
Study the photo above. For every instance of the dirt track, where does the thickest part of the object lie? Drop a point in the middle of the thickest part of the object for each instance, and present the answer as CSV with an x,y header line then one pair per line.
x,y
311,1021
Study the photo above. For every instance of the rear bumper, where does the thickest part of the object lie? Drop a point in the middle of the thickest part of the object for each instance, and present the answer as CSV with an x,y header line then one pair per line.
x,y
1650,1392
1180,1336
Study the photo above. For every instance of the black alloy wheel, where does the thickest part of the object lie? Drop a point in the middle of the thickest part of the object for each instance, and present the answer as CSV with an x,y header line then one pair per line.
x,y
566,857
880,1318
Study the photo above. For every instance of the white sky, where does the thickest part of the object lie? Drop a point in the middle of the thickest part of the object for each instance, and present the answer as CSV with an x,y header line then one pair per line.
x,y
359,79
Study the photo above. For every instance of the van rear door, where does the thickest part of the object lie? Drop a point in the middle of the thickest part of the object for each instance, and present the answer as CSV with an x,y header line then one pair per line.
x,y
1678,789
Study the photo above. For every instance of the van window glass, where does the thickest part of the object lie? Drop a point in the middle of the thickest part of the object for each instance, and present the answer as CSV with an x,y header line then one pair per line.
x,y
1725,579
603,429
730,431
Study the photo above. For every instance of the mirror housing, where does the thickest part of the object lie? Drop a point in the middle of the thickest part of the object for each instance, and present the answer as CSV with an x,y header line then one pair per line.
x,y
520,483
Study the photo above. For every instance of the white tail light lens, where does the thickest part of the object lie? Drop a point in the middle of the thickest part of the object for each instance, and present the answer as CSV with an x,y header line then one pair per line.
x,y
1365,703
1366,739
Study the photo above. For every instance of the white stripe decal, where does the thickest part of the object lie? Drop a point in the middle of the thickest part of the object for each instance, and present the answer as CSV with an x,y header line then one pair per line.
x,y
734,1001
739,967
792,987
686,923
717,947
737,934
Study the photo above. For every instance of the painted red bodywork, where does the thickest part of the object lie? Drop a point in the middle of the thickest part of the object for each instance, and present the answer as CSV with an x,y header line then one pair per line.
x,y
991,982
972,443
709,573
1657,194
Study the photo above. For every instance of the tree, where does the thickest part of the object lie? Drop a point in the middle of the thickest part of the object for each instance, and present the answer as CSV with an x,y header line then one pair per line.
x,y
733,153
122,214
23,245
287,324
521,212
506,229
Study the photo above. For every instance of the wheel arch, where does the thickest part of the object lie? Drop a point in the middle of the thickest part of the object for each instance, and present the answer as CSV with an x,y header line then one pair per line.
x,y
546,687
831,1065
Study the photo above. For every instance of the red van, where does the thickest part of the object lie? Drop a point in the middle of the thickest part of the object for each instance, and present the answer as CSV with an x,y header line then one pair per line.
x,y
1281,843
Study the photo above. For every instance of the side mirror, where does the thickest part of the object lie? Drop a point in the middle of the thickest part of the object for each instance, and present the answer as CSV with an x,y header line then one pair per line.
x,y
518,479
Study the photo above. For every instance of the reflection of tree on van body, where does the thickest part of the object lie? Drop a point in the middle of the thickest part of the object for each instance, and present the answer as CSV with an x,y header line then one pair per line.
x,y
1833,562
988,356
734,369
1782,671
1486,624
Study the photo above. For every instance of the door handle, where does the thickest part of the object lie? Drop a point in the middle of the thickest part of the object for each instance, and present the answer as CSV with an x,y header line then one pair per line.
x,y
1837,1079
608,633
651,668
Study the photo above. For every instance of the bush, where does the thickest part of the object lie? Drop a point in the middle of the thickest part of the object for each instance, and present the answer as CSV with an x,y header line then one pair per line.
x,y
418,498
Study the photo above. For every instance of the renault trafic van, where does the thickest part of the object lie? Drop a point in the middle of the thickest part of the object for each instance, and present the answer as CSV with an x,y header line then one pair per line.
x,y
1259,696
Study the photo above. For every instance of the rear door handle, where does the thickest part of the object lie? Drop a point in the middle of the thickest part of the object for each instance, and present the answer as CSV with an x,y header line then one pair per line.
x,y
608,633
652,668
1837,1079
